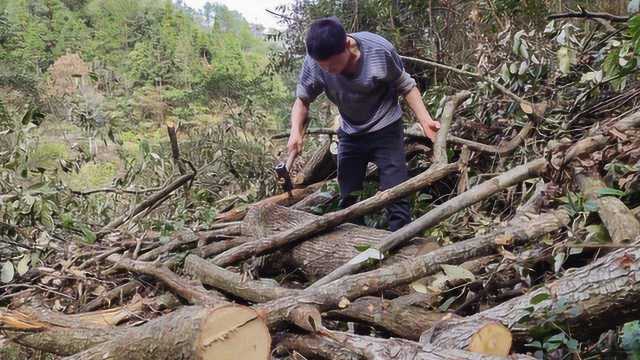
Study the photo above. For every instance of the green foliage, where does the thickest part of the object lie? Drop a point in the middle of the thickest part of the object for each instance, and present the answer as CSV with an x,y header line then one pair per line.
x,y
630,341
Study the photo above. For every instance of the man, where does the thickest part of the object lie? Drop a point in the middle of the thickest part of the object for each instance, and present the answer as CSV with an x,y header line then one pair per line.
x,y
363,75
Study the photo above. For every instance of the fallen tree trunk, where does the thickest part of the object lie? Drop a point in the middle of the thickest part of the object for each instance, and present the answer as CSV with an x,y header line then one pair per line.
x,y
226,332
441,212
319,254
437,171
353,286
331,220
340,345
63,334
407,321
584,302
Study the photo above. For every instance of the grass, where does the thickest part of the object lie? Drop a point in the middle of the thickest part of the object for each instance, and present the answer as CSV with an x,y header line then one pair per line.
x,y
92,175
46,155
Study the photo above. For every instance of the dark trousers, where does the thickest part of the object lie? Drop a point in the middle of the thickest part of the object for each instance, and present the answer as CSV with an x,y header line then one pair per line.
x,y
385,148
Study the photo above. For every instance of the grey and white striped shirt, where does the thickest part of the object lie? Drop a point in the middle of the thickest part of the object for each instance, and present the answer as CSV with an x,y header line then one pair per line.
x,y
368,99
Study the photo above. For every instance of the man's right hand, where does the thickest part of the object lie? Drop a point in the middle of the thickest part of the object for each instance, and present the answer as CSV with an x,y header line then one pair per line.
x,y
295,144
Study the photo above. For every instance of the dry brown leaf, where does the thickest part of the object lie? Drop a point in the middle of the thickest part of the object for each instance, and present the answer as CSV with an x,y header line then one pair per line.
x,y
504,239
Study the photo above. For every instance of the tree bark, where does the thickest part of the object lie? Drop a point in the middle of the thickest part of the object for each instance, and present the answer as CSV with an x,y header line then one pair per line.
x,y
320,167
280,199
331,220
233,283
365,347
597,297
615,215
407,321
441,212
193,332
321,253
353,286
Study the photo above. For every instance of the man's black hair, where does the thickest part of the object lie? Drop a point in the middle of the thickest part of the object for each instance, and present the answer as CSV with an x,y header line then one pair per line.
x,y
326,37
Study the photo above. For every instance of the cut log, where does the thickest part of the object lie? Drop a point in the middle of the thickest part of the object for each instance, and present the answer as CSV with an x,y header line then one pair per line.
x,y
365,347
353,286
226,332
437,171
322,253
331,220
280,199
406,321
620,222
441,212
63,334
585,302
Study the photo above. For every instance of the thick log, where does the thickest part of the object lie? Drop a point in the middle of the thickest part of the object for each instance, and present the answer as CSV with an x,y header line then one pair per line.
x,y
353,286
401,320
365,347
280,199
441,212
620,222
437,171
193,332
322,253
585,302
331,220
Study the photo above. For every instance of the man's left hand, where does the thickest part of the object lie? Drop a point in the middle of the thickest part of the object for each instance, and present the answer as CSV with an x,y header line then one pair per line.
x,y
430,128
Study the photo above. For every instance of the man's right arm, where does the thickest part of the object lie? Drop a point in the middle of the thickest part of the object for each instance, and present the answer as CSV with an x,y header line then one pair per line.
x,y
299,115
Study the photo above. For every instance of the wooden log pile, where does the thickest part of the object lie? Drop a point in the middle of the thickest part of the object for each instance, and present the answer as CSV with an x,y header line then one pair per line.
x,y
280,279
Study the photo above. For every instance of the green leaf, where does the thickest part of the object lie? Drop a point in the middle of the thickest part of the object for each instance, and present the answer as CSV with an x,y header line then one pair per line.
x,y
539,298
369,254
572,345
88,235
23,265
362,247
566,57
7,272
504,73
591,206
534,344
457,272
445,306
610,192
598,232
558,260
631,336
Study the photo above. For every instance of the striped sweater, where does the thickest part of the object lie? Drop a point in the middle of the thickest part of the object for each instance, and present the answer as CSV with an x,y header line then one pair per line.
x,y
368,99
